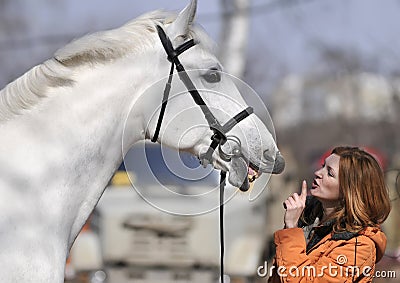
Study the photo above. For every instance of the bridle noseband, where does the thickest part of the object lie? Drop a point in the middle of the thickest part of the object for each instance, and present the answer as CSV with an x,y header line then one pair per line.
x,y
219,136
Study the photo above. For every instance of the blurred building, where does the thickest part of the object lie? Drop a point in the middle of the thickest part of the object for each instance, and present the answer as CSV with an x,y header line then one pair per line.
x,y
356,97
315,112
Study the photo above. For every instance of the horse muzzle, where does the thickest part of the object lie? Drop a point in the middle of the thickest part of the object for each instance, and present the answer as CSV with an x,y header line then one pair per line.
x,y
279,164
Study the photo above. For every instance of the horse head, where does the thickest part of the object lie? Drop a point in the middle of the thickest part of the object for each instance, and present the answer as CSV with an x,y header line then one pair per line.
x,y
249,148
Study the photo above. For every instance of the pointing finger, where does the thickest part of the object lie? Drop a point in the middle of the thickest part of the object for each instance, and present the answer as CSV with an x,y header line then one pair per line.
x,y
304,189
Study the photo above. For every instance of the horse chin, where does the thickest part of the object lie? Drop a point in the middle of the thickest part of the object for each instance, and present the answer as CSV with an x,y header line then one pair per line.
x,y
241,173
238,173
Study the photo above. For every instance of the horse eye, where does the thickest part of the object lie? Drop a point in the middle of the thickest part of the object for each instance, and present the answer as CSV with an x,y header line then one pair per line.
x,y
212,76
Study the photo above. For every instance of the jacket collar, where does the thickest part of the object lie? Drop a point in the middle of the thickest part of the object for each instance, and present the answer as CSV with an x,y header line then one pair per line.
x,y
321,231
344,235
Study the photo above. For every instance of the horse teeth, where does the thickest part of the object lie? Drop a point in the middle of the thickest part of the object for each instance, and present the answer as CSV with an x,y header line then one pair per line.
x,y
252,178
251,186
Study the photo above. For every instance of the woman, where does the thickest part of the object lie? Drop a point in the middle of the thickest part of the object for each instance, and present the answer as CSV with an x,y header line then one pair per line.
x,y
334,235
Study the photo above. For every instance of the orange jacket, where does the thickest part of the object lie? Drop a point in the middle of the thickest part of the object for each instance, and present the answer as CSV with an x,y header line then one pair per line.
x,y
330,260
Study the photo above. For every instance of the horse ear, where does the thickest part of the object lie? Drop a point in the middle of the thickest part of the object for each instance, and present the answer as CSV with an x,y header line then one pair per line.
x,y
185,18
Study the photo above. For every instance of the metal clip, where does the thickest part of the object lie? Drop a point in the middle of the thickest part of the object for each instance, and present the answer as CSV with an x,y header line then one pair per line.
x,y
236,151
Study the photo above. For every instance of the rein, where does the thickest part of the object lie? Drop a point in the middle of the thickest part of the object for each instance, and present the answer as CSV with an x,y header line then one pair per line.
x,y
219,136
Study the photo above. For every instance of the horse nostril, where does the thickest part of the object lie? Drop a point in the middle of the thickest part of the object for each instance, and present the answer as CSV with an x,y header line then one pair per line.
x,y
268,157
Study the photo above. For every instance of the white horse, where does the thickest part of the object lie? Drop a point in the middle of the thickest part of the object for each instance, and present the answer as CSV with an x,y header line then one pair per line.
x,y
62,123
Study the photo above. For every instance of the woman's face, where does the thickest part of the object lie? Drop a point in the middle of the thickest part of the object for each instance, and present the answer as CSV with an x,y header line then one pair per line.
x,y
326,181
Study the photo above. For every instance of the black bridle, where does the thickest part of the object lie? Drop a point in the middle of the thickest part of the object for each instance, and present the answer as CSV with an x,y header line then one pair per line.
x,y
219,136
219,131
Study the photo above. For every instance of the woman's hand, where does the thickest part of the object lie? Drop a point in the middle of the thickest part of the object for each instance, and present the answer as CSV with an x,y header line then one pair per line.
x,y
294,206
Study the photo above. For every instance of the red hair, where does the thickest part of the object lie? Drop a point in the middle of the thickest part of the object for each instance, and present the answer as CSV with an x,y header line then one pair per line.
x,y
365,199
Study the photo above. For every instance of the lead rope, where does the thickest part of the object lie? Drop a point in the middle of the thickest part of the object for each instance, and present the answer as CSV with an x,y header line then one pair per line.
x,y
355,261
222,183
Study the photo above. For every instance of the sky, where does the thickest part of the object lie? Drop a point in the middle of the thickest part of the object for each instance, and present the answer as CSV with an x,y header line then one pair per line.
x,y
285,36
367,26
25,26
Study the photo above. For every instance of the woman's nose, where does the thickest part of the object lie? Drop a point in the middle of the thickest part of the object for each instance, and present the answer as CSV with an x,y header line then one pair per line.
x,y
317,173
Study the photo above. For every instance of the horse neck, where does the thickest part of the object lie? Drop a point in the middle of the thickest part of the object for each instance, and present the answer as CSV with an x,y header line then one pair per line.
x,y
103,100
69,146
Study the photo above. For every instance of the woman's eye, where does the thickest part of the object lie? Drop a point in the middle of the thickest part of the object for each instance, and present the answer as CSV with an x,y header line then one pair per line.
x,y
212,76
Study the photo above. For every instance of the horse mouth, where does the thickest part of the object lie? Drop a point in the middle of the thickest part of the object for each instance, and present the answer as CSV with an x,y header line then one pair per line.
x,y
253,173
243,172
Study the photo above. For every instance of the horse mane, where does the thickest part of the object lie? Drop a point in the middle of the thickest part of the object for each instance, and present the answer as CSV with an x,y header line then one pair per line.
x,y
104,46
101,47
26,91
